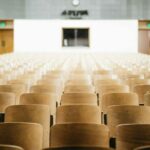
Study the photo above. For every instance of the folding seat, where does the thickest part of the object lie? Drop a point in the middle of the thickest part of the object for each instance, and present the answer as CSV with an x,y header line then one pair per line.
x,y
76,134
102,72
57,72
141,90
79,148
143,148
112,89
79,76
131,136
29,78
10,147
55,82
78,114
102,82
147,99
134,76
26,135
134,82
119,99
79,89
19,81
32,114
26,82
79,72
111,99
79,82
104,77
6,99
54,76
18,89
79,99
127,115
47,89
40,98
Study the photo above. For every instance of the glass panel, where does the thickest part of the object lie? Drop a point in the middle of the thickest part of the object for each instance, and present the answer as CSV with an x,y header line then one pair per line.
x,y
76,37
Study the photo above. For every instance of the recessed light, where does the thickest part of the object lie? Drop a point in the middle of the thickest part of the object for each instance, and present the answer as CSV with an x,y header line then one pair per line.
x,y
76,2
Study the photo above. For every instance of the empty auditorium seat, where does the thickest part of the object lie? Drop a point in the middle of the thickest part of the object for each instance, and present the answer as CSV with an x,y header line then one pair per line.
x,y
32,114
112,89
26,135
79,99
98,83
6,99
18,89
65,135
118,99
55,82
126,115
47,89
131,136
134,82
147,99
26,82
78,114
79,89
41,99
141,90
78,82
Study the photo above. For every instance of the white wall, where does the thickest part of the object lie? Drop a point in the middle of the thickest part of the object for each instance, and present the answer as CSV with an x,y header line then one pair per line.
x,y
105,36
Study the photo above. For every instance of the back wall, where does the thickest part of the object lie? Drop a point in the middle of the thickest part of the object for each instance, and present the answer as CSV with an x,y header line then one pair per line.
x,y
105,35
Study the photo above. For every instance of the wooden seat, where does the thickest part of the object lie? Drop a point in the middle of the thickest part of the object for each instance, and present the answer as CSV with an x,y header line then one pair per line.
x,y
10,147
79,99
18,89
79,148
78,114
98,77
65,135
112,89
79,89
47,89
27,82
31,113
55,82
147,99
79,72
131,136
118,99
80,76
126,115
134,82
102,72
98,83
143,148
52,76
57,72
26,135
6,99
40,98
79,82
141,90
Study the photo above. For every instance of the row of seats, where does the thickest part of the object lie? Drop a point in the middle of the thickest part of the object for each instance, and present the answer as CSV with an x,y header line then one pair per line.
x,y
82,101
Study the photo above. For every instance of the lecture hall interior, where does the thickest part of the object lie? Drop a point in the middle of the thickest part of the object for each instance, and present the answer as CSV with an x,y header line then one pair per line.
x,y
74,74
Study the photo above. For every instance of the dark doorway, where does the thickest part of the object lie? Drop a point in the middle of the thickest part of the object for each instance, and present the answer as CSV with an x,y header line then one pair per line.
x,y
75,37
